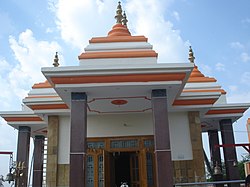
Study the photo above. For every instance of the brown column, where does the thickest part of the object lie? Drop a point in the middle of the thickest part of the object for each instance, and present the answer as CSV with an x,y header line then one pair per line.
x,y
230,157
23,148
215,155
164,165
214,152
38,161
78,142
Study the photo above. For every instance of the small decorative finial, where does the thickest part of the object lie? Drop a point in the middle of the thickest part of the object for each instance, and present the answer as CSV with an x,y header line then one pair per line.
x,y
56,60
124,19
119,16
191,55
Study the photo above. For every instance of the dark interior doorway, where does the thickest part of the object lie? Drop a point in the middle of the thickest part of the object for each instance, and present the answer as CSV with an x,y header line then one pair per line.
x,y
122,168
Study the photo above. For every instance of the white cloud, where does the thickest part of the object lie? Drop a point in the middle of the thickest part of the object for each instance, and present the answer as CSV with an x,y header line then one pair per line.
x,y
5,66
32,55
220,67
245,57
176,15
245,78
237,45
148,20
78,21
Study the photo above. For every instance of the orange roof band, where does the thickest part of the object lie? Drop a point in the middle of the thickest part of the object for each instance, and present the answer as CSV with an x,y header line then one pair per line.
x,y
215,90
194,102
120,54
13,119
197,76
201,79
119,30
225,111
45,84
118,39
119,78
48,107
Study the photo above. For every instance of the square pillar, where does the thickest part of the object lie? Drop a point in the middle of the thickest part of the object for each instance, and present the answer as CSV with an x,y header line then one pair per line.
x,y
52,151
164,165
23,148
230,157
215,155
38,161
78,139
197,169
214,152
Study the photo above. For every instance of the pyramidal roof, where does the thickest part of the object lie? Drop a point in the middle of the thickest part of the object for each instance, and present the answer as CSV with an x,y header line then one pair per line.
x,y
118,44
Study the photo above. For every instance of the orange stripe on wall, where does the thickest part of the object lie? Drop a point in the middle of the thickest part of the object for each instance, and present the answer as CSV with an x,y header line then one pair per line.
x,y
194,102
9,119
118,39
218,90
119,78
120,54
225,111
48,107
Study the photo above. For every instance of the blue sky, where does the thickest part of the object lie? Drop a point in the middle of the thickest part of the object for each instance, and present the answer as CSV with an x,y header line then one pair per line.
x,y
31,32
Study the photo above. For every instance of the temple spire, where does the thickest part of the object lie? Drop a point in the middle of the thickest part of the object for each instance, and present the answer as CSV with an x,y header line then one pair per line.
x,y
120,28
56,60
191,55
124,19
119,16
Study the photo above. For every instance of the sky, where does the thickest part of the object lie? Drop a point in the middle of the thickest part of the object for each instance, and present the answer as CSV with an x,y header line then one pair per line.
x,y
32,31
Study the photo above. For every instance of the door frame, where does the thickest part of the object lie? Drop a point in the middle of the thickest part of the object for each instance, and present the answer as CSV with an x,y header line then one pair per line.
x,y
139,144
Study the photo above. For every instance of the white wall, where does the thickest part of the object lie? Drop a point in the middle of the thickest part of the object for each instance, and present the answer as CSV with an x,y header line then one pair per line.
x,y
180,136
119,125
129,125
64,140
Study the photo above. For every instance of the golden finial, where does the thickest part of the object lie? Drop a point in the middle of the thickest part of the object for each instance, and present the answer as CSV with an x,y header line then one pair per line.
x,y
56,60
191,55
124,19
119,16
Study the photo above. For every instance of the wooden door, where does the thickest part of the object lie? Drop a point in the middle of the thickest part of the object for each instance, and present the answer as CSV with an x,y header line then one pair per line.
x,y
109,169
134,170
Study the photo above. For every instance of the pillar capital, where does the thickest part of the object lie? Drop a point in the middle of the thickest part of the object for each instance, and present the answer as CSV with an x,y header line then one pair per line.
x,y
78,96
39,137
159,93
24,129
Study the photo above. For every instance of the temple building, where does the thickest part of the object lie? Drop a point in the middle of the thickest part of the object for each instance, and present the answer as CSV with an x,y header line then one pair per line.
x,y
119,116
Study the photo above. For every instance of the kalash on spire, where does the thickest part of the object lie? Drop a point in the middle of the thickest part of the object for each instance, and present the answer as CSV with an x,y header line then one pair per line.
x,y
120,28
